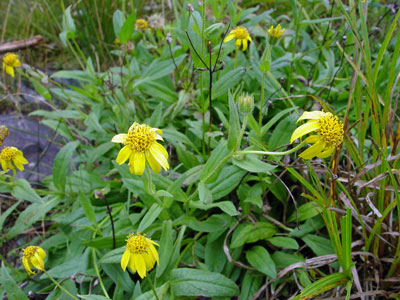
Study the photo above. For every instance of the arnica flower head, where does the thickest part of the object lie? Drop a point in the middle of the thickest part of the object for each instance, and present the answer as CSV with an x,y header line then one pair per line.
x,y
277,32
10,61
33,257
3,134
329,133
141,145
141,24
10,157
140,254
241,35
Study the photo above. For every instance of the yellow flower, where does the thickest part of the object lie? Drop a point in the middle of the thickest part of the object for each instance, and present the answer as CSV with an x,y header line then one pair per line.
x,y
33,257
277,32
141,144
140,254
3,134
10,61
141,24
10,157
329,133
241,35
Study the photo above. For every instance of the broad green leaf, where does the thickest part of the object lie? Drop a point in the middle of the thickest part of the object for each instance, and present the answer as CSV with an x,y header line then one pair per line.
x,y
252,164
106,242
23,191
227,181
150,217
252,233
213,224
250,284
259,258
283,131
127,28
305,212
204,193
318,244
234,123
118,21
285,259
228,81
225,206
284,242
112,257
214,164
10,286
93,297
42,90
61,165
87,208
192,282
165,251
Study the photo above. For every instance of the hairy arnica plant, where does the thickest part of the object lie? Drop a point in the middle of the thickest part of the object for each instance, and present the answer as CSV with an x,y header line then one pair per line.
x,y
200,150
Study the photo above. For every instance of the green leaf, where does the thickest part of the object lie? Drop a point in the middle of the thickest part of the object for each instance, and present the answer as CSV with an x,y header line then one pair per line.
x,y
227,81
165,251
234,123
127,28
204,193
42,90
305,212
87,208
252,164
61,165
284,259
93,297
210,171
282,133
23,191
150,217
112,257
318,244
284,242
118,21
10,286
225,206
106,242
212,224
192,282
228,180
252,233
259,258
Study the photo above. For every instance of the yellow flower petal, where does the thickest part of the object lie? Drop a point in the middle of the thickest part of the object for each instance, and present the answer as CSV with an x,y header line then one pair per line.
x,y
244,45
238,43
230,36
326,152
314,150
132,265
10,71
154,165
154,252
41,253
312,139
140,265
139,162
312,115
125,259
4,165
160,155
119,138
304,129
123,155
27,267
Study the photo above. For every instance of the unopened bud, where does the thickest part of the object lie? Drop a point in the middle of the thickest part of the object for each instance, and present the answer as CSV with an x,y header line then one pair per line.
x,y
169,38
246,103
3,134
190,7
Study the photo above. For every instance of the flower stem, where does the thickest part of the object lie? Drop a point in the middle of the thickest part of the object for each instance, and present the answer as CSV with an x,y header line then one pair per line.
x,y
111,219
152,287
98,274
59,286
236,57
261,102
271,153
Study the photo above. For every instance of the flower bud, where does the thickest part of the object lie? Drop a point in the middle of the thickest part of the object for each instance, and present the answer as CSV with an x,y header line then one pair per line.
x,y
246,103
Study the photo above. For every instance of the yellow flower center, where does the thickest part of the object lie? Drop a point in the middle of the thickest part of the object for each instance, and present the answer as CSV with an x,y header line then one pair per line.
x,y
140,137
8,153
241,33
30,251
10,59
331,129
141,24
136,243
